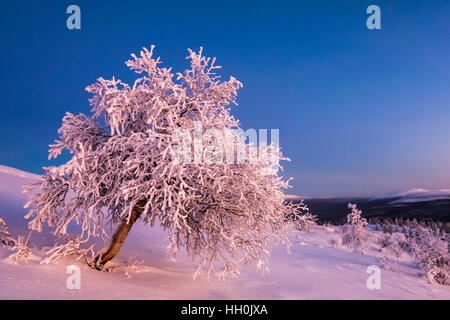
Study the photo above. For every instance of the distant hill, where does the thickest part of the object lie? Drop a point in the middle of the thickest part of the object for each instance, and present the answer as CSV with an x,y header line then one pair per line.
x,y
416,203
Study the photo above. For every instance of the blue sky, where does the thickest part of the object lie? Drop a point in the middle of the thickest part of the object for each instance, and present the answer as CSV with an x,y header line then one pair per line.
x,y
360,111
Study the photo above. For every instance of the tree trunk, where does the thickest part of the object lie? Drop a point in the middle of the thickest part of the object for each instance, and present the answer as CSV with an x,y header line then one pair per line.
x,y
120,235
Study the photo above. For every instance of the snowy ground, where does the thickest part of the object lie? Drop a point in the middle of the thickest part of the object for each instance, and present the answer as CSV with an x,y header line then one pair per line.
x,y
314,270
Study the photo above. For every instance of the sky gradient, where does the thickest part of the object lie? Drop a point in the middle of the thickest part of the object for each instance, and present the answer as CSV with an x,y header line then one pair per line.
x,y
360,112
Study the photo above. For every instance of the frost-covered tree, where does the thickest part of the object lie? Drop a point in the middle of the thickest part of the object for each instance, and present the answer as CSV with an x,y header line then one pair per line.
x,y
123,170
431,250
354,233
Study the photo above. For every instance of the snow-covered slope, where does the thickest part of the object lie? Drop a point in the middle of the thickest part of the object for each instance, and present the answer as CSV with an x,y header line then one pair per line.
x,y
12,172
314,270
11,181
12,199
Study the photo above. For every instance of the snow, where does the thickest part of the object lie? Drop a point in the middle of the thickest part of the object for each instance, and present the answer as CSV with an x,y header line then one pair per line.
x,y
293,197
313,270
296,197
12,172
11,180
415,195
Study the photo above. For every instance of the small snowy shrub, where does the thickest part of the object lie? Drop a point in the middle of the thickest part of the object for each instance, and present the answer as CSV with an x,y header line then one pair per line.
x,y
19,246
355,234
5,235
21,251
70,247
431,251
305,222
391,246
335,242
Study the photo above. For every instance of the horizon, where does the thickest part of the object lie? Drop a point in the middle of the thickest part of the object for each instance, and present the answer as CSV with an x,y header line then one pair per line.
x,y
360,112
15,171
